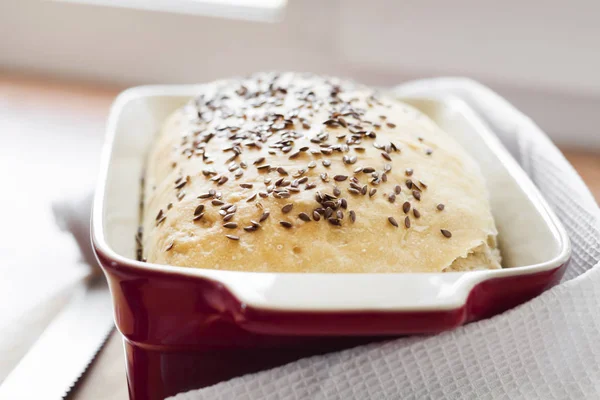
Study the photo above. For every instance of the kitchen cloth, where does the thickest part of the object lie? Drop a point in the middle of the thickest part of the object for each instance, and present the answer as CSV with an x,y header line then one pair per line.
x,y
547,348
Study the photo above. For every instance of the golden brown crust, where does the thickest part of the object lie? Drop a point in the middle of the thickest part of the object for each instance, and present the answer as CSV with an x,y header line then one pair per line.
x,y
299,173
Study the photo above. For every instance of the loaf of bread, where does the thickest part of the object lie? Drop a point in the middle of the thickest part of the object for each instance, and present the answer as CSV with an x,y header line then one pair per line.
x,y
300,173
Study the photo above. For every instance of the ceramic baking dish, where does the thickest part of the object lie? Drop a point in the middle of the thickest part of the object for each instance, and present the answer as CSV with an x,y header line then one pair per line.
x,y
185,328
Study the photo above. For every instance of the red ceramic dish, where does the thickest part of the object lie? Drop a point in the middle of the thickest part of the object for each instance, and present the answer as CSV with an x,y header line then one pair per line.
x,y
186,328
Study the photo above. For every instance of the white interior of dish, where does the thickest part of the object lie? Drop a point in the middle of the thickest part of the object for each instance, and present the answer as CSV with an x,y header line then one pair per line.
x,y
531,238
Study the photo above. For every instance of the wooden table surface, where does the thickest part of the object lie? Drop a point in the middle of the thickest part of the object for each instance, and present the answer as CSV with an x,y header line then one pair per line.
x,y
75,113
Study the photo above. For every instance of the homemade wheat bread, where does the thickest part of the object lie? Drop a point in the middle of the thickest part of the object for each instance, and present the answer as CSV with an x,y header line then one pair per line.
x,y
300,173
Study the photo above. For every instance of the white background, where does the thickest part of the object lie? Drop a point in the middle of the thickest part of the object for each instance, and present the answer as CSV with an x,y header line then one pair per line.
x,y
542,55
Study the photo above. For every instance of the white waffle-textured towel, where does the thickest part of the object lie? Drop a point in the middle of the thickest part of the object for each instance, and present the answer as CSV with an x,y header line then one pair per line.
x,y
548,348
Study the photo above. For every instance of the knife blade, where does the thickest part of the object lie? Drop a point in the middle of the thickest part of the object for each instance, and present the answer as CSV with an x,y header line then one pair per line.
x,y
66,348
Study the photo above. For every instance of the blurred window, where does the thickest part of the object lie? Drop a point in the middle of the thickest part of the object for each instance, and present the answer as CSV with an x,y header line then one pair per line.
x,y
256,10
